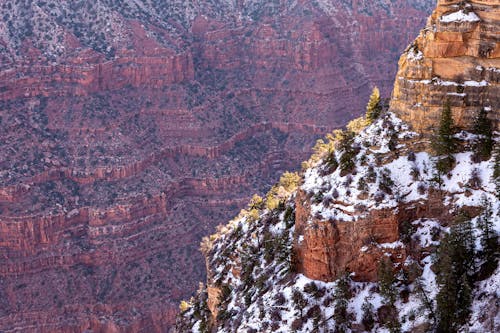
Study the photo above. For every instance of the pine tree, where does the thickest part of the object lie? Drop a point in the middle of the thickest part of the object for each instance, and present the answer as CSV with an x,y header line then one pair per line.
x,y
368,318
455,267
488,238
374,107
342,296
444,143
496,168
347,159
299,301
484,142
387,280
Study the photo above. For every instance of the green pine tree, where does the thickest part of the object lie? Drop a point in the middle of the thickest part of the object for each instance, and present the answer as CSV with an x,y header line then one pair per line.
x,y
484,142
368,319
455,267
387,279
496,168
488,238
374,107
347,160
444,143
387,287
342,296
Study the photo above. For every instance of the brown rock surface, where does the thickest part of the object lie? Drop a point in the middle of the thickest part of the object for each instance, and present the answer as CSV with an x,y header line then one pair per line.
x,y
455,60
122,150
326,249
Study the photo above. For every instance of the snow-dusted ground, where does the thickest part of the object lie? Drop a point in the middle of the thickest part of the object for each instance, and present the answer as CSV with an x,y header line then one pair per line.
x,y
265,302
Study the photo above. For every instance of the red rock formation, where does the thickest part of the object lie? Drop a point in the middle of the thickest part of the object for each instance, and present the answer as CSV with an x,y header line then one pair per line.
x,y
456,58
326,249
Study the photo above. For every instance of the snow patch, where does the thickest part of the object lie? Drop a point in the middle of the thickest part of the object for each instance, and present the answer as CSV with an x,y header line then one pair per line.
x,y
460,16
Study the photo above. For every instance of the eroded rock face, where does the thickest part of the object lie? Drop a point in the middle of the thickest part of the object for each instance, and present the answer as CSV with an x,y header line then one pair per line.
x,y
456,59
121,150
327,248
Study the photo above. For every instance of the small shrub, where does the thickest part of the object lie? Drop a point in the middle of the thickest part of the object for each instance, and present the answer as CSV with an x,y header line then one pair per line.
x,y
379,197
297,324
279,299
412,157
475,179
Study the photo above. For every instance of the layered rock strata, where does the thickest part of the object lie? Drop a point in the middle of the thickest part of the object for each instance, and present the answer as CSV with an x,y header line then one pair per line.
x,y
455,58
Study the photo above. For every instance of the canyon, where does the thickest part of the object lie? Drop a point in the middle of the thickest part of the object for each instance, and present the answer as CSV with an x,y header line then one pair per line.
x,y
128,132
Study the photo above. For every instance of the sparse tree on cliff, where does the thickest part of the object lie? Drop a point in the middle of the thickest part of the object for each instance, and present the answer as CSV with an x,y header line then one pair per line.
x,y
373,108
484,142
455,266
488,237
388,290
342,297
368,318
347,160
444,143
496,168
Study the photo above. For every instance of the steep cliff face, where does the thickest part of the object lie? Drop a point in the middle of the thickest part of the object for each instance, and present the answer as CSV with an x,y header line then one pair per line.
x,y
360,244
129,129
455,58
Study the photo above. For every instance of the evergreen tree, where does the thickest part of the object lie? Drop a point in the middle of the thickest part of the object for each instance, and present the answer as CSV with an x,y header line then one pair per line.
x,y
299,301
347,159
342,296
368,318
496,168
444,143
387,279
389,292
455,267
488,238
483,129
374,107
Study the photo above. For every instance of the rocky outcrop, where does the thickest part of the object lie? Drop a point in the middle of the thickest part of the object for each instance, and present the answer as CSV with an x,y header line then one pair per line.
x,y
456,59
377,206
326,249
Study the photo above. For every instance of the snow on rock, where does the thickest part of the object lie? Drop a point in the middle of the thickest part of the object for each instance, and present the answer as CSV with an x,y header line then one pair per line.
x,y
460,16
414,55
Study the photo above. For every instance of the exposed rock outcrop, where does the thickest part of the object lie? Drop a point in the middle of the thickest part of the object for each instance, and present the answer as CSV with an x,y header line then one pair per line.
x,y
456,59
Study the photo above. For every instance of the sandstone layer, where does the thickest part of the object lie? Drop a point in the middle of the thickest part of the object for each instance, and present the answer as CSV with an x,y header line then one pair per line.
x,y
455,58
329,248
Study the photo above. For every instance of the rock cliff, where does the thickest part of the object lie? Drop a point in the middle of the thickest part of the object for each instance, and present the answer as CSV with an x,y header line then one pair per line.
x,y
455,58
129,129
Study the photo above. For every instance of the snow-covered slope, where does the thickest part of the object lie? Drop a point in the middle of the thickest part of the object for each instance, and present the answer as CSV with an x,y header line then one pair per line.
x,y
255,285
